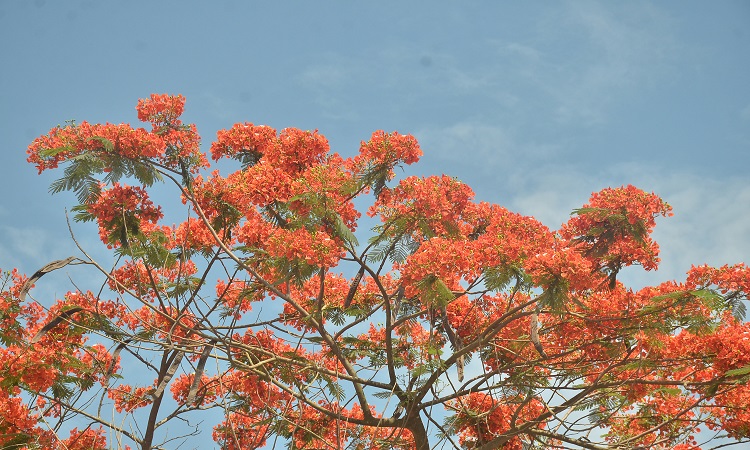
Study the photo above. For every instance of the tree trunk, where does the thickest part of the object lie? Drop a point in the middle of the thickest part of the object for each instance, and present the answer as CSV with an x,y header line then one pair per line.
x,y
148,437
419,432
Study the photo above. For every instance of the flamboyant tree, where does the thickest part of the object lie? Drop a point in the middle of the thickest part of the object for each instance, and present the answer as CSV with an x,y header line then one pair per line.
x,y
452,323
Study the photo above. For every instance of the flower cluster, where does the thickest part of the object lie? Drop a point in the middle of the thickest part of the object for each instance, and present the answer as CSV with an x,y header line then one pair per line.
x,y
254,140
207,392
613,229
170,143
324,190
182,141
240,431
128,399
469,317
390,148
483,417
563,264
734,278
145,282
238,294
169,323
445,259
335,290
64,143
509,238
162,110
654,425
16,418
193,234
123,210
313,248
437,203
88,439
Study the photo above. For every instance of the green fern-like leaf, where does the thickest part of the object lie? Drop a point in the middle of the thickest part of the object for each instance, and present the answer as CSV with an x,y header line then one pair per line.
x,y
335,390
14,441
343,231
737,306
434,291
382,394
248,158
375,176
380,251
739,372
146,173
106,143
336,316
51,152
61,389
498,278
78,176
555,295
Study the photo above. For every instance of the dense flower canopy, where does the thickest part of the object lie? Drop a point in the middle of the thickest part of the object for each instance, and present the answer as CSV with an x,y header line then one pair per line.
x,y
455,323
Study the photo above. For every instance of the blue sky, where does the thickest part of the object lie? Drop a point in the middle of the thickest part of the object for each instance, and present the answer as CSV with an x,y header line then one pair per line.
x,y
533,104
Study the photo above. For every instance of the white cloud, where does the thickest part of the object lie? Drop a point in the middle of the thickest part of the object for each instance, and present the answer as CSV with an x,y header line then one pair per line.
x,y
484,147
711,222
550,193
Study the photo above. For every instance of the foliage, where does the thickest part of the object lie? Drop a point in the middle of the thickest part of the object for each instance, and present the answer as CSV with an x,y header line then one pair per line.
x,y
456,323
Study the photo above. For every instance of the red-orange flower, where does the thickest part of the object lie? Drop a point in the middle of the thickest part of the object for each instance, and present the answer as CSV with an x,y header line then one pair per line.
x,y
161,109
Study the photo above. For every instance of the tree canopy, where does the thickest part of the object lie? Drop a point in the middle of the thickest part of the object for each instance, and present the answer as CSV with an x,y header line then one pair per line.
x,y
447,323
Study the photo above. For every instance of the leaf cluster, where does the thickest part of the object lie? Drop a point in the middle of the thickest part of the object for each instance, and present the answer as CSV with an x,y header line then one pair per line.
x,y
80,175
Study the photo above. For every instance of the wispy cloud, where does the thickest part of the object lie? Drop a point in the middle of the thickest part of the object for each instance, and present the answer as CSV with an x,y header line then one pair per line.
x,y
745,113
578,62
327,76
469,141
329,81
610,51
